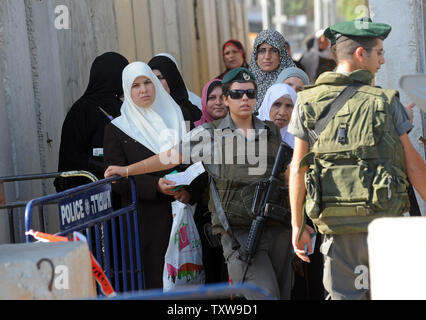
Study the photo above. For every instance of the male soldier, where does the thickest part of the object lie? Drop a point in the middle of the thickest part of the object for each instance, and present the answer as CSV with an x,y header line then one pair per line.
x,y
359,161
242,155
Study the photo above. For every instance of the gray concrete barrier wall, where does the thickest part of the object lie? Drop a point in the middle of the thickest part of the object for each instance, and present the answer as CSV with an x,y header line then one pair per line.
x,y
47,48
43,69
405,54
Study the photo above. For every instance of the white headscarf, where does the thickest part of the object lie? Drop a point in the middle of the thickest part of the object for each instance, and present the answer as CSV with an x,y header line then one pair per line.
x,y
195,100
274,93
158,127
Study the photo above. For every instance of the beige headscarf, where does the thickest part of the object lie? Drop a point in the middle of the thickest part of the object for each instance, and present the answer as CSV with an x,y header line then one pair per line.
x,y
158,127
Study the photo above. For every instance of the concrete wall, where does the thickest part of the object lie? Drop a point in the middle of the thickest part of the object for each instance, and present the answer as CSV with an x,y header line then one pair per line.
x,y
45,69
405,54
192,31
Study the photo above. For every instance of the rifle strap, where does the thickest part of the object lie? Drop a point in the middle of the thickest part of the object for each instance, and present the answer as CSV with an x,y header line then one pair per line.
x,y
221,214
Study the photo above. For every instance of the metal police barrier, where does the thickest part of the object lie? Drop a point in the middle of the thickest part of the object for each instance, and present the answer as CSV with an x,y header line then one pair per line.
x,y
208,291
116,247
21,204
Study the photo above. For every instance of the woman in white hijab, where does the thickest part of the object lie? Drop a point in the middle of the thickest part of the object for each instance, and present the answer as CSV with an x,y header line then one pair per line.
x,y
150,122
277,106
148,113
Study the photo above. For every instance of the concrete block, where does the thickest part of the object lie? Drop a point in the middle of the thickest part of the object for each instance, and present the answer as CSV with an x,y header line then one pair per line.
x,y
20,278
397,254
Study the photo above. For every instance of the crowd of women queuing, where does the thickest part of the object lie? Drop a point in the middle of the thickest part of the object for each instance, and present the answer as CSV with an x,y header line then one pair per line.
x,y
126,106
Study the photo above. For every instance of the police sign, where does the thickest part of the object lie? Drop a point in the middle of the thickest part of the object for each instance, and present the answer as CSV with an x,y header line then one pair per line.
x,y
84,207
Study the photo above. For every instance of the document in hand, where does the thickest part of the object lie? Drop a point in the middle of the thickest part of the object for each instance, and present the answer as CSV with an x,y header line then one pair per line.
x,y
186,177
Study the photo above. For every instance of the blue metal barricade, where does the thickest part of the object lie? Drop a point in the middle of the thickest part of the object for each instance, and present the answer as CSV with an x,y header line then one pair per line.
x,y
116,246
21,204
201,292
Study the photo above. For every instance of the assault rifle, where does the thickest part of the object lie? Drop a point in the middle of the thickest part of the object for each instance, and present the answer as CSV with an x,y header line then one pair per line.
x,y
267,204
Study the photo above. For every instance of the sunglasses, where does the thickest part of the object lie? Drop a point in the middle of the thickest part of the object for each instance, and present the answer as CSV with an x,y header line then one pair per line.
x,y
238,94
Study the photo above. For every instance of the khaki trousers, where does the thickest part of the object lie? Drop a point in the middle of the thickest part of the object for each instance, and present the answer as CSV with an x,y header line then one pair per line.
x,y
271,267
346,273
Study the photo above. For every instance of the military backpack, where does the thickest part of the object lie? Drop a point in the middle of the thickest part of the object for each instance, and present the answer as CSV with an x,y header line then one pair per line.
x,y
356,167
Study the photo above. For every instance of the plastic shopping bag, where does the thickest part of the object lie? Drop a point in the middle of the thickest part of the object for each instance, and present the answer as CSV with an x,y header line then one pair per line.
x,y
183,263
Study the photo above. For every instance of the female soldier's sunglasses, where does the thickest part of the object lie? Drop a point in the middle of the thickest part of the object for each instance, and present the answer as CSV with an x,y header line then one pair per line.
x,y
238,94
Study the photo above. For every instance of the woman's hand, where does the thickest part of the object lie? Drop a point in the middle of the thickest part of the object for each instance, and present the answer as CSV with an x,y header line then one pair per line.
x,y
182,195
113,170
166,187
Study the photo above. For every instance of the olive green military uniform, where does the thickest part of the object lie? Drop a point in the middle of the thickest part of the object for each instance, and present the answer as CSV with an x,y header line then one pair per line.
x,y
353,180
271,265
236,166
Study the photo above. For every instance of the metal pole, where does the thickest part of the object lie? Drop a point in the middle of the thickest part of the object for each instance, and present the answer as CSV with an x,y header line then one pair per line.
x,y
265,14
11,226
318,15
279,18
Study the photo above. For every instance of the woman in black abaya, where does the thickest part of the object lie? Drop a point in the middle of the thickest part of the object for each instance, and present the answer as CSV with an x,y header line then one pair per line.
x,y
83,127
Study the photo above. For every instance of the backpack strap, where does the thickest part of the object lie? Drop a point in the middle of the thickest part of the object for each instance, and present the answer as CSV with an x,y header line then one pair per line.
x,y
335,106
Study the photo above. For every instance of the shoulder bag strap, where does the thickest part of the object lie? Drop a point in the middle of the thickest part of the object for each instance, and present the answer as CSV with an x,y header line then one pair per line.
x,y
335,106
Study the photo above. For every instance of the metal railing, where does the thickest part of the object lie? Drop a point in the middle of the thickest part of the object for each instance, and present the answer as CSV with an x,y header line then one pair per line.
x,y
107,240
21,204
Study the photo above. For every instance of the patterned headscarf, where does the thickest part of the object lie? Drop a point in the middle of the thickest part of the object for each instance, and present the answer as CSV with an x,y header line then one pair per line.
x,y
266,79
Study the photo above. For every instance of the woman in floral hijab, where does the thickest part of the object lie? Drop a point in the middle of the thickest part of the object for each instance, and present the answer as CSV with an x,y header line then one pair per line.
x,y
268,59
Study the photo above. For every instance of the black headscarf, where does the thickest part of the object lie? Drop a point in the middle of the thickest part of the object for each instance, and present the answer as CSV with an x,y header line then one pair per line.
x,y
177,86
83,127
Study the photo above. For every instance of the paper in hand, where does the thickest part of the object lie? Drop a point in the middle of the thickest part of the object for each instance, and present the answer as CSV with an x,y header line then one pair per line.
x,y
186,177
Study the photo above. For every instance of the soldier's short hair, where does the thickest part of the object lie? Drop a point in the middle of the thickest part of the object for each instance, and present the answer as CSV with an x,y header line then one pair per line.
x,y
346,46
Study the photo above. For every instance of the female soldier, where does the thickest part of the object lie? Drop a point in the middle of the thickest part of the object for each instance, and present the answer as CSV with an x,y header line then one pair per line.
x,y
233,184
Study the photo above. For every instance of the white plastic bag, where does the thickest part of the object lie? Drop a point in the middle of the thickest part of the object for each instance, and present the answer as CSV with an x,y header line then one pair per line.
x,y
183,263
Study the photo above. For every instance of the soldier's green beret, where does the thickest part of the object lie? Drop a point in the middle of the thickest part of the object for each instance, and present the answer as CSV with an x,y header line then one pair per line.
x,y
238,74
363,27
